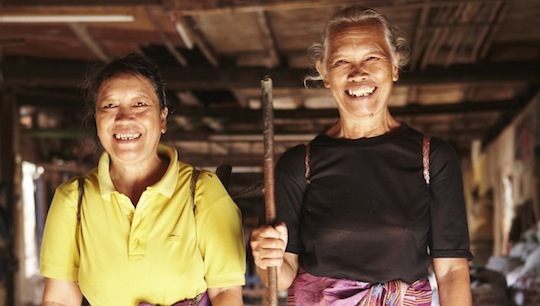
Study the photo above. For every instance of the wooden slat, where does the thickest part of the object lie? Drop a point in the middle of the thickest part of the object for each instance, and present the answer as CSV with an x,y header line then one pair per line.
x,y
82,33
70,75
201,41
154,15
268,38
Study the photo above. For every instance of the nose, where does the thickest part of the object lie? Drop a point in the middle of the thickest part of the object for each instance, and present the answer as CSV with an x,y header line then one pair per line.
x,y
357,73
124,113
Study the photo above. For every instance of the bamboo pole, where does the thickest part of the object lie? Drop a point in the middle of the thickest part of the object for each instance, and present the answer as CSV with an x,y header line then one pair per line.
x,y
270,206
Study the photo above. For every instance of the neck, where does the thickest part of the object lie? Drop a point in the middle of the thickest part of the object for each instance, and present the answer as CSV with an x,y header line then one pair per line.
x,y
132,180
365,128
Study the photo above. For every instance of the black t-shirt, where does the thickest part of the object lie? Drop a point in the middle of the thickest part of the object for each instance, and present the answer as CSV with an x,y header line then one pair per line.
x,y
368,213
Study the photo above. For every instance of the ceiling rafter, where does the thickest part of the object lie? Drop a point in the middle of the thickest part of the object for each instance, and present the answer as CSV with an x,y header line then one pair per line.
x,y
247,6
70,75
485,29
268,38
153,15
48,3
201,42
470,60
249,115
82,33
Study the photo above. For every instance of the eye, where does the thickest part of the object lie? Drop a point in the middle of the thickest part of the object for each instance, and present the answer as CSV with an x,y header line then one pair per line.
x,y
371,58
140,103
108,105
340,62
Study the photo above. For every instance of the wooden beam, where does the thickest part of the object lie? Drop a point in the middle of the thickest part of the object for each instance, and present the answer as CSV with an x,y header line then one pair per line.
x,y
82,33
506,117
248,6
67,3
244,114
201,41
8,183
70,75
268,38
213,6
154,18
250,115
180,26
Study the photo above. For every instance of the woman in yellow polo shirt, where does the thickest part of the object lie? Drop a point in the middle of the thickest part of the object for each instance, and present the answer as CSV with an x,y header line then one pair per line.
x,y
139,236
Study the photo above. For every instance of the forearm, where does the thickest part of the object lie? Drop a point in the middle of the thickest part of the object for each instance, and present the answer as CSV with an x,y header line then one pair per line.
x,y
455,293
286,272
229,296
61,293
454,285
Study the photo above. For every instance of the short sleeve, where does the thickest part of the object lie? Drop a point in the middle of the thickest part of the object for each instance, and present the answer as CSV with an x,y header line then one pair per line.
x,y
219,233
59,251
449,230
290,186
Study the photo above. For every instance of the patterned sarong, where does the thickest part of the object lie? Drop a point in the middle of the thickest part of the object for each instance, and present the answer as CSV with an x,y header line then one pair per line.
x,y
310,290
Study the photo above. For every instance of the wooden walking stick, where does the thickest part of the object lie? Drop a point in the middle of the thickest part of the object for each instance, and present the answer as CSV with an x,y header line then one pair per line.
x,y
269,203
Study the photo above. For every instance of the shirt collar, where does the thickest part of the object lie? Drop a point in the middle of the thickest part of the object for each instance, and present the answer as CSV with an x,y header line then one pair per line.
x,y
165,186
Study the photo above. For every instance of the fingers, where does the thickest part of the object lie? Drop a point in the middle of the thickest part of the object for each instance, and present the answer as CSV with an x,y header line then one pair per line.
x,y
282,229
268,245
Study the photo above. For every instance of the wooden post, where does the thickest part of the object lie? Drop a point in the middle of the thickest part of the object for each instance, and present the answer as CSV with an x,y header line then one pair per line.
x,y
8,109
270,206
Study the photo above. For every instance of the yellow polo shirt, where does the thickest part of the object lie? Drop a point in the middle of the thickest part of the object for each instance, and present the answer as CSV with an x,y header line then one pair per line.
x,y
160,251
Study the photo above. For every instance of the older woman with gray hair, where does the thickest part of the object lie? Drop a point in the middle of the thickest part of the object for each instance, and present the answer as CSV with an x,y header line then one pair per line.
x,y
368,205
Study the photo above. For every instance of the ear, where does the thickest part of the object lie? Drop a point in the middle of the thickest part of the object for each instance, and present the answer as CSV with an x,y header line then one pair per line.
x,y
163,116
395,73
322,72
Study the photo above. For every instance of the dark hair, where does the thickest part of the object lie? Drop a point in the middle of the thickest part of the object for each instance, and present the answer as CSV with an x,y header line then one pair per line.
x,y
135,64
399,47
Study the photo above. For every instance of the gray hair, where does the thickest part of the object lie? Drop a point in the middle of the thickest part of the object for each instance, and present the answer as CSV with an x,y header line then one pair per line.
x,y
399,47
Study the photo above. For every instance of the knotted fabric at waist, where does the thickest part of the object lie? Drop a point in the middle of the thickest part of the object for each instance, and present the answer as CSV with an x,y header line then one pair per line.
x,y
311,290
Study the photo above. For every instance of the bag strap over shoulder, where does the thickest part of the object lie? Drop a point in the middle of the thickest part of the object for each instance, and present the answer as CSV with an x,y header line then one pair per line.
x,y
307,159
80,189
193,185
425,157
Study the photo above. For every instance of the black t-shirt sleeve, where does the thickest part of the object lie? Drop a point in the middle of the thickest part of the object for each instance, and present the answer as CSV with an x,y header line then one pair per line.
x,y
449,236
290,186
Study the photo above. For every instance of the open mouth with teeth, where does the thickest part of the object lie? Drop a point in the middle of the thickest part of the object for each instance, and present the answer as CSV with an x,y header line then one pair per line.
x,y
127,136
360,92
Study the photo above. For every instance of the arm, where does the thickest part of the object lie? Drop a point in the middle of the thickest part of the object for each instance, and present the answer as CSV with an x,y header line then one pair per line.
x,y
453,281
226,296
268,245
61,293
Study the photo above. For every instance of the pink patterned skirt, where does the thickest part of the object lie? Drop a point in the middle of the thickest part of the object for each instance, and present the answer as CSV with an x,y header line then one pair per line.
x,y
311,290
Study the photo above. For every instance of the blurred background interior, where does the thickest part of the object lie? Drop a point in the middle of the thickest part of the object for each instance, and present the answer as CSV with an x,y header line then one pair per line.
x,y
473,80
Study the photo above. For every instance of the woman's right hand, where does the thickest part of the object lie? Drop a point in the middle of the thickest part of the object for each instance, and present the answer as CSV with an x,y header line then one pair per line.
x,y
268,245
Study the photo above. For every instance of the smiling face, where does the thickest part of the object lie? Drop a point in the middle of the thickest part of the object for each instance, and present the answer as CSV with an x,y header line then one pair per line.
x,y
359,69
129,119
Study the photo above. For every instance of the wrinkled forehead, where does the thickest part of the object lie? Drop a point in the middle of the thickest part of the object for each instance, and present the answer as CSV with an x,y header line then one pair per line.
x,y
369,27
125,75
368,31
127,81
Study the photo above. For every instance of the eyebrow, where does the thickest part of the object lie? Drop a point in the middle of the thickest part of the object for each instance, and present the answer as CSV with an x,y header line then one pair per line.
x,y
137,95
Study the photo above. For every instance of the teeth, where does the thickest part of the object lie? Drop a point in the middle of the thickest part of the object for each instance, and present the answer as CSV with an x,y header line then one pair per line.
x,y
126,136
361,92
